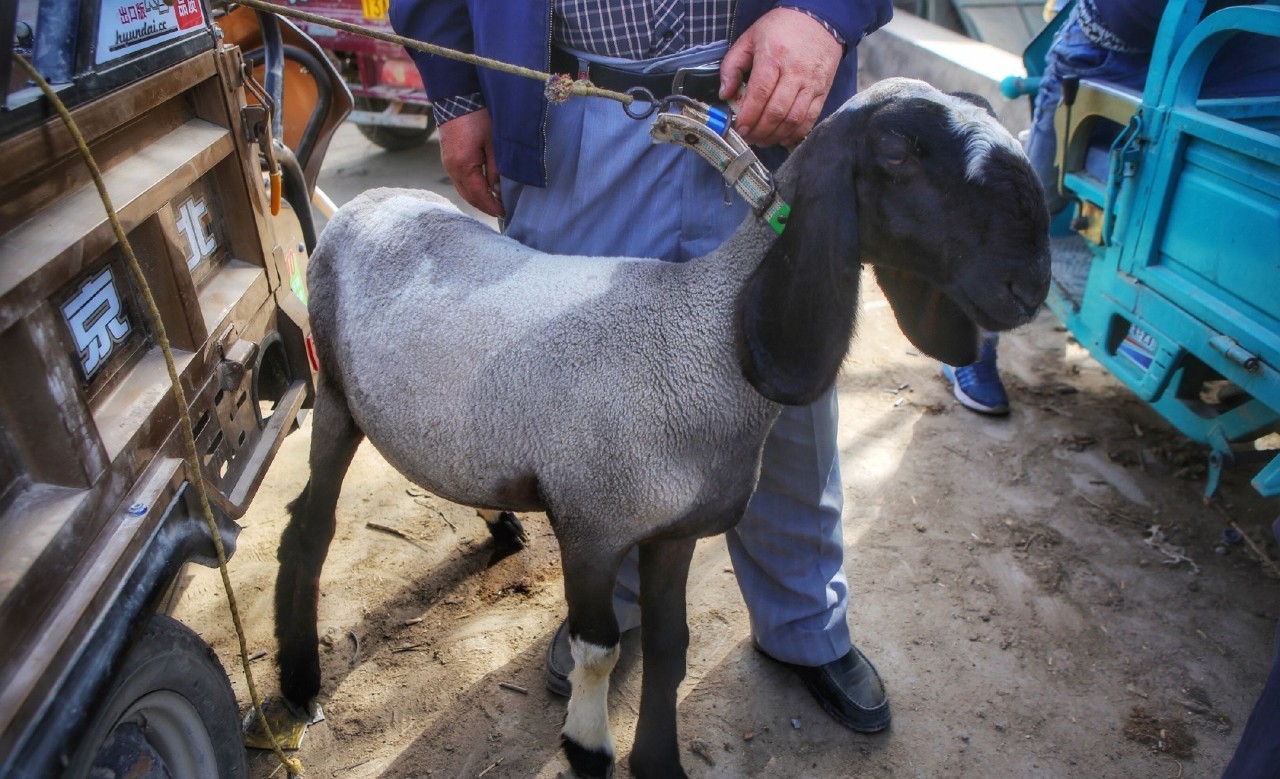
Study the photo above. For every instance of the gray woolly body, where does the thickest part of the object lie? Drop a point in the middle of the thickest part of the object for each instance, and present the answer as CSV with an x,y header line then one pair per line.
x,y
500,377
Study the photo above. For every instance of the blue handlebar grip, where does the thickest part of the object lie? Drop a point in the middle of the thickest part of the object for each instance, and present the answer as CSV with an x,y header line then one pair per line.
x,y
1014,87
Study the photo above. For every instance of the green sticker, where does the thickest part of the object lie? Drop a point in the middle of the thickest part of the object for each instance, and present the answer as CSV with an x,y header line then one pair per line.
x,y
299,287
778,218
297,279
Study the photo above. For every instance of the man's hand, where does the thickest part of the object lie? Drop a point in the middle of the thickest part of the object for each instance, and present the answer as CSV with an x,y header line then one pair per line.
x,y
466,150
792,60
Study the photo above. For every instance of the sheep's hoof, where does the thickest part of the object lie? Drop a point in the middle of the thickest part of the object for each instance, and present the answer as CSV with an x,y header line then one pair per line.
x,y
508,532
288,724
587,763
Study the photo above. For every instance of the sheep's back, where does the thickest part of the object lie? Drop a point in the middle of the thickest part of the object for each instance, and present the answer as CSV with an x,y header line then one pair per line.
x,y
491,373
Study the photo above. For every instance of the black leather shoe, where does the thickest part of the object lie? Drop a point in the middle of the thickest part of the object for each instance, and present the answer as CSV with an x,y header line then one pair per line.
x,y
559,662
849,689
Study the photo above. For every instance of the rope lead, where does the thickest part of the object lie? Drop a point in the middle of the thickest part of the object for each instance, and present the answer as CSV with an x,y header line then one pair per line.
x,y
559,89
575,89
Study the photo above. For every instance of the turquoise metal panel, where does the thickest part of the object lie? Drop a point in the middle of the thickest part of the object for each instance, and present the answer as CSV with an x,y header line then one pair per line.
x,y
1188,286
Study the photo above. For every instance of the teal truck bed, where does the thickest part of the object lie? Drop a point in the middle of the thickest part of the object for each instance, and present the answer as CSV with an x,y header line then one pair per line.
x,y
1178,293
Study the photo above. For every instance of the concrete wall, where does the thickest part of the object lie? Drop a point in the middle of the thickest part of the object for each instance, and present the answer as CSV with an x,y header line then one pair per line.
x,y
910,46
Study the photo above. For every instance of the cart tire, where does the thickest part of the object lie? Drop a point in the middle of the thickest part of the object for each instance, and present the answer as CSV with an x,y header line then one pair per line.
x,y
170,702
395,138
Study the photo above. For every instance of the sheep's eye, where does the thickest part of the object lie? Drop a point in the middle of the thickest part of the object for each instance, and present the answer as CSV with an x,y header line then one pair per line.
x,y
896,148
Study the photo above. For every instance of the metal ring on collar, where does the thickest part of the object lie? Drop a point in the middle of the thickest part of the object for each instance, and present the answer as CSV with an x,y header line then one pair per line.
x,y
640,94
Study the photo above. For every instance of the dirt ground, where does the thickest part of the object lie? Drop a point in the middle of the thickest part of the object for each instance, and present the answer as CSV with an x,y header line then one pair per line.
x,y
1044,595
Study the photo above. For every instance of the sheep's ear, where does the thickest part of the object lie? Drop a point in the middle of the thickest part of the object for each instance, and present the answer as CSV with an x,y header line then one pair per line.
x,y
928,318
978,100
797,309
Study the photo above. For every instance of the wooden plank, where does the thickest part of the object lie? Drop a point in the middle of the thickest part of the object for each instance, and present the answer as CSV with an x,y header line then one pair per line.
x,y
25,196
93,582
40,147
51,247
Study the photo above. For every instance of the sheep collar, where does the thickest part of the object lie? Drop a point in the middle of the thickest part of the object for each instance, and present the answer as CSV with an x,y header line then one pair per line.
x,y
706,130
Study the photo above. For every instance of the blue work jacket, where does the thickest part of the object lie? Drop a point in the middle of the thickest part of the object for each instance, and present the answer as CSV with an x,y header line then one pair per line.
x,y
520,33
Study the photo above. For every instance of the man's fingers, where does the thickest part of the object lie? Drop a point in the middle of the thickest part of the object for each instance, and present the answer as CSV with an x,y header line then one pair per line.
x,y
491,169
792,61
795,124
733,68
475,189
492,195
764,79
776,121
810,119
472,183
466,151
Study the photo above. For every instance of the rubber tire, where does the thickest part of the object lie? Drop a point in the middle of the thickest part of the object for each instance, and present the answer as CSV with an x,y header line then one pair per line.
x,y
170,661
394,138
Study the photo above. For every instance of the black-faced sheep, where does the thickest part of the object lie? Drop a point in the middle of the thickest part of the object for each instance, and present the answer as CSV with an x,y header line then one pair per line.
x,y
630,398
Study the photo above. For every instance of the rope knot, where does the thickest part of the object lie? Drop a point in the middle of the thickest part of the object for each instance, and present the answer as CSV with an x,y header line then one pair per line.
x,y
559,88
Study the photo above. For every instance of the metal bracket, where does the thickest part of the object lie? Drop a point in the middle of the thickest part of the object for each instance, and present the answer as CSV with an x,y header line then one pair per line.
x,y
236,364
1126,153
256,120
1221,457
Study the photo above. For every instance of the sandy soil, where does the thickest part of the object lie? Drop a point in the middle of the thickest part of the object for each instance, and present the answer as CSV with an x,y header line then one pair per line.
x,y
1044,595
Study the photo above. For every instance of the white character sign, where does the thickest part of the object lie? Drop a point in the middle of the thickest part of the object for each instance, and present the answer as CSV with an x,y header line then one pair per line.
x,y
97,320
194,225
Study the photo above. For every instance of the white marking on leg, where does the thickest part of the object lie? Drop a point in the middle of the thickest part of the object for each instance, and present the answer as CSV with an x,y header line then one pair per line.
x,y
587,722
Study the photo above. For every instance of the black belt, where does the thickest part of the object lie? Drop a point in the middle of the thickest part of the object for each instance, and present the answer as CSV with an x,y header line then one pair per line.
x,y
700,83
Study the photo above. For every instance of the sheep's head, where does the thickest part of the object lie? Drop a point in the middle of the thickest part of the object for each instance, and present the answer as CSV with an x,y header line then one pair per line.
x,y
930,189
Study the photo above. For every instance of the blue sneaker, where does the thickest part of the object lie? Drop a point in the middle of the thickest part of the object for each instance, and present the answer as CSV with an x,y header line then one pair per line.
x,y
977,386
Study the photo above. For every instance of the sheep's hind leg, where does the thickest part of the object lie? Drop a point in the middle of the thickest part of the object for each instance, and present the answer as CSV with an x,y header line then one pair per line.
x,y
505,528
305,544
664,636
593,640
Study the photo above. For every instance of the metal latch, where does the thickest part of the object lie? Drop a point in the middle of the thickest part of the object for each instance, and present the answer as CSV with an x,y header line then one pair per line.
x,y
257,127
236,363
257,122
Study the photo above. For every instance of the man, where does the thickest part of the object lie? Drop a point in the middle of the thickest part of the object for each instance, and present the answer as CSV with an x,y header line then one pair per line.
x,y
582,178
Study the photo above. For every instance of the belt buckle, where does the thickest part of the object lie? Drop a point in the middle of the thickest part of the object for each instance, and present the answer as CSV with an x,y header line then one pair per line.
x,y
677,81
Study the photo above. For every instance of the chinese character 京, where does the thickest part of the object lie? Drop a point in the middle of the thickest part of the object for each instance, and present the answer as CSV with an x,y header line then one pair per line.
x,y
97,320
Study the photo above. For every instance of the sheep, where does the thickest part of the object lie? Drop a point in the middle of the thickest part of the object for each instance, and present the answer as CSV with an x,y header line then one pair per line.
x,y
629,398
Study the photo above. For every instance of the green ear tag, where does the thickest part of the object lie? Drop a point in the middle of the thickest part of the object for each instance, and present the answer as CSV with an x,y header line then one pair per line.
x,y
778,219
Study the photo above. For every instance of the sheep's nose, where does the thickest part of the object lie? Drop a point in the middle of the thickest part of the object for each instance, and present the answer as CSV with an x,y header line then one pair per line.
x,y
1030,288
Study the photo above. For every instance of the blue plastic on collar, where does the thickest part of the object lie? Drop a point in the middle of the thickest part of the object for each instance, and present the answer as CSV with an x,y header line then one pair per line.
x,y
717,121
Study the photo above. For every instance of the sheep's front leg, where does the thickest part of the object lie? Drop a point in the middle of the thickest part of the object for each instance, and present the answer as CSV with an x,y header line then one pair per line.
x,y
664,635
305,544
593,640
